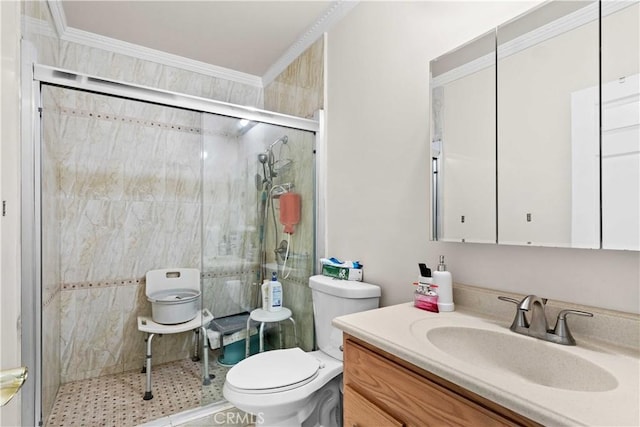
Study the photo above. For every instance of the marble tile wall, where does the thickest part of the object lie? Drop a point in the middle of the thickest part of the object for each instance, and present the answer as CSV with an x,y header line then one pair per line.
x,y
299,89
51,352
51,267
128,200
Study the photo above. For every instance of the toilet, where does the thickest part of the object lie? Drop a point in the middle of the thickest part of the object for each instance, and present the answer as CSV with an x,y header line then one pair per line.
x,y
292,387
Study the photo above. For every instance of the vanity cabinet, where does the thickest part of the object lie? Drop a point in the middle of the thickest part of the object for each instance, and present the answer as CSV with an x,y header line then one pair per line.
x,y
383,390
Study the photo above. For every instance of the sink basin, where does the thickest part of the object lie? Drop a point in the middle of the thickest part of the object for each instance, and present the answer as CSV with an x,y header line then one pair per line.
x,y
530,359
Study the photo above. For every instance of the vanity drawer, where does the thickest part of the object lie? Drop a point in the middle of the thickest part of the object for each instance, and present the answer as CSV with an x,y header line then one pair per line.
x,y
409,397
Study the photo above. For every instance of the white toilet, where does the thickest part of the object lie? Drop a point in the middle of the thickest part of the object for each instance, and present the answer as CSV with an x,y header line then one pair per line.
x,y
293,388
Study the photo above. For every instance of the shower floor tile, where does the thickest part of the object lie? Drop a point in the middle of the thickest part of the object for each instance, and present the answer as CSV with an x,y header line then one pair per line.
x,y
116,400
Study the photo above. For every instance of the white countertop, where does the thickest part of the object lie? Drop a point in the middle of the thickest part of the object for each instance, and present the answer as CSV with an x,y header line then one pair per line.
x,y
394,330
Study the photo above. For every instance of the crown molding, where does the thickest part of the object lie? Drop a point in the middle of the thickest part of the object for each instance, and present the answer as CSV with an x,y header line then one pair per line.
x,y
334,13
121,47
331,16
59,18
86,38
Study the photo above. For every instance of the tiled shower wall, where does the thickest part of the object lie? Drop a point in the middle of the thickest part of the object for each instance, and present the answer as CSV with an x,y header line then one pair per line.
x,y
128,201
299,89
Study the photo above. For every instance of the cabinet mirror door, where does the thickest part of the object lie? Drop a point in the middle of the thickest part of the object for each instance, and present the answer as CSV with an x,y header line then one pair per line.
x,y
620,38
463,107
548,65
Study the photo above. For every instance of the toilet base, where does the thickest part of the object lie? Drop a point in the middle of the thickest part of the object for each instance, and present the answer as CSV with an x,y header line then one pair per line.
x,y
321,409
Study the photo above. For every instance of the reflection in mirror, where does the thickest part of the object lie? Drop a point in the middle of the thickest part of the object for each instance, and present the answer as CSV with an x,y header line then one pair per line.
x,y
547,58
463,143
620,125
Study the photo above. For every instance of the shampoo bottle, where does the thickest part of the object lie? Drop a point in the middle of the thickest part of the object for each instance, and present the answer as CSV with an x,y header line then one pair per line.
x,y
442,278
275,293
264,288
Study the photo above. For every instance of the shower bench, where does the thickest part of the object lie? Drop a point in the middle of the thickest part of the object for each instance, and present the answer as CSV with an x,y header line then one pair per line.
x,y
198,324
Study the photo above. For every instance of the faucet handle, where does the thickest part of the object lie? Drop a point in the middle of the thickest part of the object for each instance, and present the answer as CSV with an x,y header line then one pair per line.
x,y
520,321
508,299
562,328
563,313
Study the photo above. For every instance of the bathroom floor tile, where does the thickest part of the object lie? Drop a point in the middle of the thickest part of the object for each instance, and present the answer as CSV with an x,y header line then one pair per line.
x,y
116,400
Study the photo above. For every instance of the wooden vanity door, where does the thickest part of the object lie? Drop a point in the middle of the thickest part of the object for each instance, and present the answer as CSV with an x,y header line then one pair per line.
x,y
380,391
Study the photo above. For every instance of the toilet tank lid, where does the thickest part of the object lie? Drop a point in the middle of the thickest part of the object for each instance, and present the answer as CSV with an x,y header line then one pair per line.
x,y
344,288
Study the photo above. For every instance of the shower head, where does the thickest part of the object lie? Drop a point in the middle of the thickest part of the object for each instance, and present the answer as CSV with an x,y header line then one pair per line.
x,y
284,139
268,159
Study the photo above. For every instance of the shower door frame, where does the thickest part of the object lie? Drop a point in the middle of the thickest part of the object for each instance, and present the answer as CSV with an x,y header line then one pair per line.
x,y
34,76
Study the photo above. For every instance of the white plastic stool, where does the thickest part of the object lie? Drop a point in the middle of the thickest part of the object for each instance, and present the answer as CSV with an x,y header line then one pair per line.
x,y
264,316
197,324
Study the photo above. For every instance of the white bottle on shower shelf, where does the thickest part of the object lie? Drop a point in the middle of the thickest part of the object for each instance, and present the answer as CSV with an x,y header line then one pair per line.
x,y
275,293
443,279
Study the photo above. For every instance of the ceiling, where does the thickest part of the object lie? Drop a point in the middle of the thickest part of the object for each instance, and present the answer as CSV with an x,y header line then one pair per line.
x,y
244,36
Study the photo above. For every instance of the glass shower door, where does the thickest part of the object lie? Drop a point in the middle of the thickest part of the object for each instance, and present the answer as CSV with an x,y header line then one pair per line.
x,y
121,195
249,170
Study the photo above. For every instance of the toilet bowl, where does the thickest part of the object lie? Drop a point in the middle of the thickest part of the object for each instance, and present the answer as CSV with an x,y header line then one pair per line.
x,y
292,387
287,387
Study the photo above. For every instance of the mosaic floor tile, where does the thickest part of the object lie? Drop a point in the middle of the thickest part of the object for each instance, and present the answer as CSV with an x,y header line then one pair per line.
x,y
116,400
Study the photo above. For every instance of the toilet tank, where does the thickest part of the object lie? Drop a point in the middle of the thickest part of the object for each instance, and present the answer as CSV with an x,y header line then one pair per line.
x,y
333,298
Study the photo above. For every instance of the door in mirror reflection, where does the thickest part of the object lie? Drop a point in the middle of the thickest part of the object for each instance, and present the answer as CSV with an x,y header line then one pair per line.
x,y
620,38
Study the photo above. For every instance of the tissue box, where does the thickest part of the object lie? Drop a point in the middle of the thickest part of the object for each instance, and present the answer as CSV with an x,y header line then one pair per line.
x,y
343,273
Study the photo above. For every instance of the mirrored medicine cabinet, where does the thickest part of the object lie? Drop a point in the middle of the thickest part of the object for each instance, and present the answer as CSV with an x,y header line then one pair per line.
x,y
535,130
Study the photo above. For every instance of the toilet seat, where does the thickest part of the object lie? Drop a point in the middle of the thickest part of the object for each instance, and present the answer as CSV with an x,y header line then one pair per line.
x,y
273,371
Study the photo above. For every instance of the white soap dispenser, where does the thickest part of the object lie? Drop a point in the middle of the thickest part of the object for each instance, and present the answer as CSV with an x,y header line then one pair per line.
x,y
443,279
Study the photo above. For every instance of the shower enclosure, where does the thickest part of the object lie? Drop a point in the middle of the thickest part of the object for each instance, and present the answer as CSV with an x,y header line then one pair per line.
x,y
128,179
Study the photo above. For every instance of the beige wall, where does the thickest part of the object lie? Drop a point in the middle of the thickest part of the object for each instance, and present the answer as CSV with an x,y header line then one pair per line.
x,y
10,225
378,181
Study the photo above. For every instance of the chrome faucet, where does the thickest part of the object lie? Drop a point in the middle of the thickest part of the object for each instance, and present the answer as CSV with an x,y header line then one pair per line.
x,y
537,326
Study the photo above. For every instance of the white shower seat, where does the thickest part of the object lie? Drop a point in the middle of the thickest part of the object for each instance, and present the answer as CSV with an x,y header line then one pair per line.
x,y
263,316
197,325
